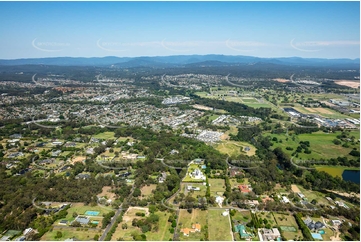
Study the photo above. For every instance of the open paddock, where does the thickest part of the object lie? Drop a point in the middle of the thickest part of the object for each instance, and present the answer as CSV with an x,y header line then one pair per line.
x,y
217,185
81,234
219,226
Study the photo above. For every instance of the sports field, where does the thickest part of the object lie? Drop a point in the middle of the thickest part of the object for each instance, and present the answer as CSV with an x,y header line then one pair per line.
x,y
105,135
324,112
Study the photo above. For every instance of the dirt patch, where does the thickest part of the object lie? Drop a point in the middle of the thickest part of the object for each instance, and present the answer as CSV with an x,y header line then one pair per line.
x,y
295,189
329,104
323,110
224,137
281,80
106,192
130,214
197,106
352,194
348,83
78,159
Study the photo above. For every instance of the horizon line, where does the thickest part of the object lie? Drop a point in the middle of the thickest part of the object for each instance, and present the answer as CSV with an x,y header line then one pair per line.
x,y
144,56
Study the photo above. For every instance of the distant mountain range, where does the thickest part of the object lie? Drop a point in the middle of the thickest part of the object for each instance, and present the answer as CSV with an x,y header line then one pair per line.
x,y
180,61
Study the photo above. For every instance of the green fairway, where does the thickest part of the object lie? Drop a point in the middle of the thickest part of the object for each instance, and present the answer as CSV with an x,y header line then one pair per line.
x,y
321,145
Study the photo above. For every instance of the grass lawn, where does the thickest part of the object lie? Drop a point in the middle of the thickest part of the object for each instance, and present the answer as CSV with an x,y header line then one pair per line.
x,y
242,217
217,185
219,227
105,135
69,232
187,219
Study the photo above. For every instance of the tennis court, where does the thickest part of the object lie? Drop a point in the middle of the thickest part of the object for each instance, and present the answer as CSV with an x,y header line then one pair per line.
x,y
92,213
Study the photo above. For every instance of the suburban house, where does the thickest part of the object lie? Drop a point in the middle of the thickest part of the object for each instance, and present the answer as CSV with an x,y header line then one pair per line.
x,y
83,220
313,225
241,229
244,189
336,222
285,199
252,203
270,234
162,177
195,228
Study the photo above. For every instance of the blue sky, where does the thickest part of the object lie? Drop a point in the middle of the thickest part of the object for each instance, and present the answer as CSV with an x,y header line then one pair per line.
x,y
97,29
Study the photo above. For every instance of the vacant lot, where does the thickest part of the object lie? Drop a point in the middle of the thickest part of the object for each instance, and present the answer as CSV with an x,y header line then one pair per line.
x,y
235,148
282,80
106,192
148,190
131,213
295,188
218,226
348,83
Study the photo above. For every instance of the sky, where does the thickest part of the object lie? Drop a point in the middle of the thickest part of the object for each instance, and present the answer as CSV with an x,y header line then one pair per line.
x,y
131,29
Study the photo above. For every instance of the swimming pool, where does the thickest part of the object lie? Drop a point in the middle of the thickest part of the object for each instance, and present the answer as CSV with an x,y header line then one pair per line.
x,y
92,213
321,231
